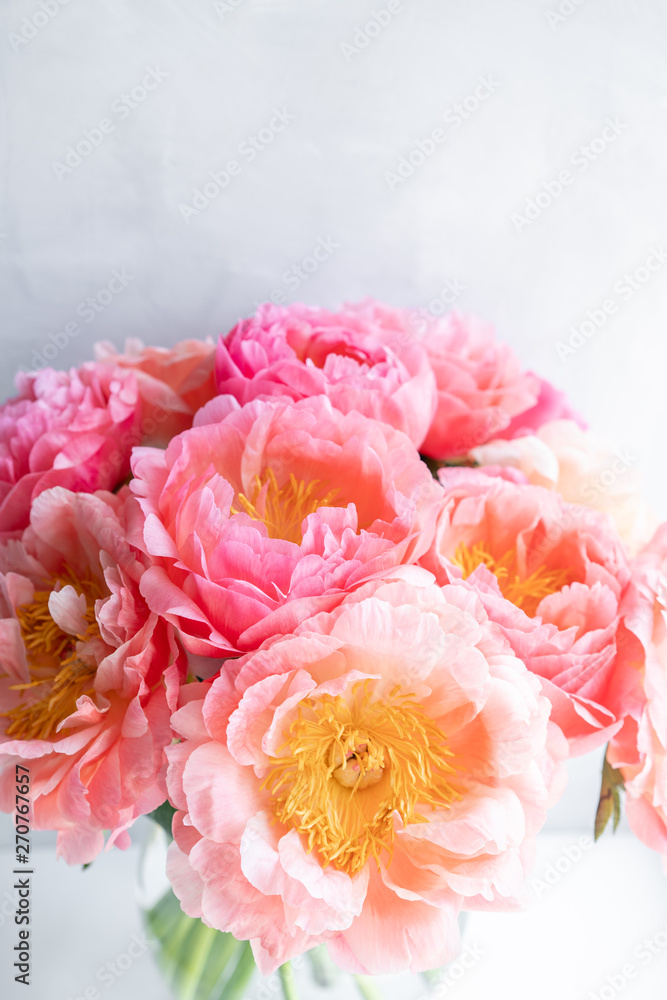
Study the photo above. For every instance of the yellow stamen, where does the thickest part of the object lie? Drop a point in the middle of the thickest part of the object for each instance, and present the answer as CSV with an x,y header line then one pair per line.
x,y
60,671
353,763
283,508
526,591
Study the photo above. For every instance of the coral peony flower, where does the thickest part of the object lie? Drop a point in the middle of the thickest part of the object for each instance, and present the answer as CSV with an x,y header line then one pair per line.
x,y
481,385
363,358
188,369
89,674
583,468
262,514
640,749
360,781
74,429
552,575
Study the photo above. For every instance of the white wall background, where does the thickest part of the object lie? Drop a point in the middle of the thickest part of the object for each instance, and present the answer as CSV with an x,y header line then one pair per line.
x,y
220,70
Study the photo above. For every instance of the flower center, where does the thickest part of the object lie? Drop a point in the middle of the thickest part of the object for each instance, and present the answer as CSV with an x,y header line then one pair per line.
x,y
283,508
60,670
526,591
350,764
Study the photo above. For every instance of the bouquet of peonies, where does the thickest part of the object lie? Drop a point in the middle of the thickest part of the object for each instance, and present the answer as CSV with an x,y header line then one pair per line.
x,y
339,597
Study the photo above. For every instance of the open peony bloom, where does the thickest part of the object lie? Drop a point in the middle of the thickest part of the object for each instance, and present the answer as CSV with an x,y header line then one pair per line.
x,y
263,514
481,386
640,749
73,429
361,781
187,369
583,468
88,675
552,575
363,357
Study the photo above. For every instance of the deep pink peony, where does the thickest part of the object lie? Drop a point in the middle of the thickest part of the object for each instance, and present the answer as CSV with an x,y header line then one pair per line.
x,y
89,676
481,385
640,749
553,576
363,357
262,514
187,368
361,781
74,429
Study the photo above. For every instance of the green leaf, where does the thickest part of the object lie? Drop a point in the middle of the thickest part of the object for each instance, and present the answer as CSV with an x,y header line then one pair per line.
x,y
610,799
163,816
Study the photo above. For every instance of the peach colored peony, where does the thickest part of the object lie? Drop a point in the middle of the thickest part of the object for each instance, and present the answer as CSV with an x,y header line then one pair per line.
x,y
188,369
583,468
88,675
552,575
481,385
640,749
361,781
363,357
73,429
262,514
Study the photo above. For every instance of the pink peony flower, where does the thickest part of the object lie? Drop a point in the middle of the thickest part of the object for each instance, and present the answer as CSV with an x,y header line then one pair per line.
x,y
362,780
551,405
552,575
481,385
363,358
74,429
188,369
640,749
262,514
89,676
583,468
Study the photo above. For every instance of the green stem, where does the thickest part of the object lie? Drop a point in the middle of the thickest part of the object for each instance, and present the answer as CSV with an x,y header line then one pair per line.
x,y
367,988
173,946
194,966
288,982
243,970
226,947
325,973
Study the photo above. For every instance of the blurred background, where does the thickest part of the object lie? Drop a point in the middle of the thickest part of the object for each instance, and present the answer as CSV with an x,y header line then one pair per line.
x,y
167,166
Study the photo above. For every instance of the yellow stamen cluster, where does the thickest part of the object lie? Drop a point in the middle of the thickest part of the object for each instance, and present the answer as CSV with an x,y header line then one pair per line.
x,y
351,764
59,672
283,508
526,591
